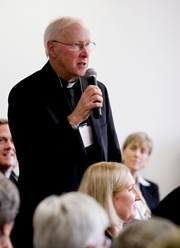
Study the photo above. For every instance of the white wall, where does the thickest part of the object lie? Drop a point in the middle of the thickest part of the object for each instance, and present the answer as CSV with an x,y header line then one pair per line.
x,y
137,57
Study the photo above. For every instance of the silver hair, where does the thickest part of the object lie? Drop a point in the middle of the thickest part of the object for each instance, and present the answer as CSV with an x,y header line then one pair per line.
x,y
73,219
55,28
9,201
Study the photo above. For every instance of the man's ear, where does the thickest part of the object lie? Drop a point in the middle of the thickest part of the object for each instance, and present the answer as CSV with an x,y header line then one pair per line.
x,y
51,48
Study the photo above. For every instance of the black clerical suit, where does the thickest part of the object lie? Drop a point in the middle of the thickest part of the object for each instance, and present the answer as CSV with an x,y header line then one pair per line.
x,y
51,154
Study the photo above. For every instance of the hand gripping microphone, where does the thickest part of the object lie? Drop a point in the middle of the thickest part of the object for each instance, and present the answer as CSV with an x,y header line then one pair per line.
x,y
91,75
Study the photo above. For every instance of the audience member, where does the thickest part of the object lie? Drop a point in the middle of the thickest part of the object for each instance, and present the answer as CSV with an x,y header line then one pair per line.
x,y
169,206
113,186
8,160
9,206
54,151
70,220
170,241
140,233
136,151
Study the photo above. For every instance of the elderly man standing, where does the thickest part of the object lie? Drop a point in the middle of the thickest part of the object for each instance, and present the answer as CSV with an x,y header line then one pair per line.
x,y
51,120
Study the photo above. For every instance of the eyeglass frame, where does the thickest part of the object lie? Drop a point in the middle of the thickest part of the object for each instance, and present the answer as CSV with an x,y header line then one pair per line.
x,y
80,46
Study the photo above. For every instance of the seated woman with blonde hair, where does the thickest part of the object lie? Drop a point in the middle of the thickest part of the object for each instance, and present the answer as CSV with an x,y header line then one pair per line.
x,y
113,186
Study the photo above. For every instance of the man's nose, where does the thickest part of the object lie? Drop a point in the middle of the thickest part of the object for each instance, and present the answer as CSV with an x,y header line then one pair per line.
x,y
9,144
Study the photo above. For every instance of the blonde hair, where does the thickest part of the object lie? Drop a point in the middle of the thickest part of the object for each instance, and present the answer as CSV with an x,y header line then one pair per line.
x,y
103,179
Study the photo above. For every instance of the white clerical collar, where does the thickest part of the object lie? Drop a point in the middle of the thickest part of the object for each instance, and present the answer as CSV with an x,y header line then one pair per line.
x,y
64,83
70,85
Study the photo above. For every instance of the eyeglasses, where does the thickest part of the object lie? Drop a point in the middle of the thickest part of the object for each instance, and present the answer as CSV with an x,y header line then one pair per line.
x,y
77,47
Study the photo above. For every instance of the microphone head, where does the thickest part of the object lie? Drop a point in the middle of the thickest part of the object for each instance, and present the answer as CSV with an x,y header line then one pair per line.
x,y
90,73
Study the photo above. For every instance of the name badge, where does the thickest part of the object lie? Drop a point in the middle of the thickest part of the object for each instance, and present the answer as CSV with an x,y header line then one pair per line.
x,y
86,134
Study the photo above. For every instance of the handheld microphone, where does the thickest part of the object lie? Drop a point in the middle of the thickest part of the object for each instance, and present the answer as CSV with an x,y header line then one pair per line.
x,y
91,75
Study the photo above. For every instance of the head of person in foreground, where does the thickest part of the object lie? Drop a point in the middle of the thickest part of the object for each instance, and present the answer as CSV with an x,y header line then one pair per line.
x,y
172,240
9,207
141,233
70,220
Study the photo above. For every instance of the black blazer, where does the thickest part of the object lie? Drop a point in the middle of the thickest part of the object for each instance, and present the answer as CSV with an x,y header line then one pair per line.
x,y
169,206
151,194
51,155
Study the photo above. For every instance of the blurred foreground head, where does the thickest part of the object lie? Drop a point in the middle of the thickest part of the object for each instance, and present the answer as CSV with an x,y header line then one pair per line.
x,y
9,207
73,219
140,233
170,241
